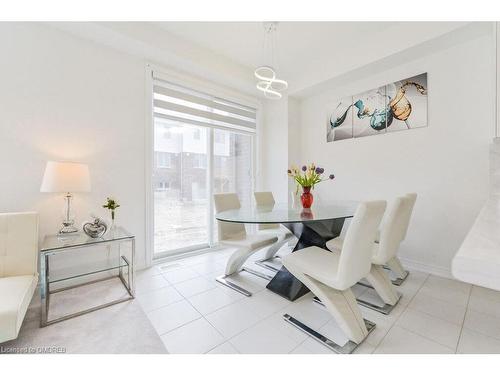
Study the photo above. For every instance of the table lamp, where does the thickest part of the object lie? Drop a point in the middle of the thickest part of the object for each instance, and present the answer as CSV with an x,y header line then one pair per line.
x,y
66,177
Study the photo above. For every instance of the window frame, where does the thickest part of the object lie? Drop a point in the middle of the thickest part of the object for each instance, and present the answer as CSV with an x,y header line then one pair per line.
x,y
218,90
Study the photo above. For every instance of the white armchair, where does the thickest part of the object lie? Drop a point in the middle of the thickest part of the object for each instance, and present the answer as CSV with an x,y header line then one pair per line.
x,y
18,269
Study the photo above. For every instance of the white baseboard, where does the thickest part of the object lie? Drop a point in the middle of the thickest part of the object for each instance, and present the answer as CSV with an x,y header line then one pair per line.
x,y
427,268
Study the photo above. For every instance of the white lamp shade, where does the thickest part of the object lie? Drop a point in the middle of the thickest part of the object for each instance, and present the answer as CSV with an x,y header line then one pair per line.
x,y
65,177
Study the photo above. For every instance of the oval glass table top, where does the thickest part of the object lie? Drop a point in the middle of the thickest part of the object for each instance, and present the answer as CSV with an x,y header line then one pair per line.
x,y
283,213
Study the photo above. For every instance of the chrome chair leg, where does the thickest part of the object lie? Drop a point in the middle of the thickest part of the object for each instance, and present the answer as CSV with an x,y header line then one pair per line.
x,y
257,273
400,280
347,348
229,284
384,309
223,280
263,263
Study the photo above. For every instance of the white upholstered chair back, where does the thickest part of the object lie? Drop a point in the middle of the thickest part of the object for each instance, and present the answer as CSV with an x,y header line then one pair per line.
x,y
410,199
224,202
265,198
357,250
18,244
392,231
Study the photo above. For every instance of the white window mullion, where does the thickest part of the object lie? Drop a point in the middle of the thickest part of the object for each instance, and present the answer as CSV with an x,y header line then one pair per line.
x,y
210,187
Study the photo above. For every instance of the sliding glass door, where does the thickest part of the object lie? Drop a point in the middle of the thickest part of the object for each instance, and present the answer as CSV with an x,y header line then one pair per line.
x,y
180,185
196,156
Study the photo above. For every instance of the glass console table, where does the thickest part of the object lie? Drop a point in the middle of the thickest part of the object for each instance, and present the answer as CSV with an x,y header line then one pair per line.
x,y
56,245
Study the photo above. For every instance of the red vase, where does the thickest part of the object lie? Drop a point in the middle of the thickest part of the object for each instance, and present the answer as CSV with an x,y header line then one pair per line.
x,y
306,197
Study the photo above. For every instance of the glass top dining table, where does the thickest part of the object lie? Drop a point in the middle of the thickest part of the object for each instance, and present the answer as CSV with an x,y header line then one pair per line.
x,y
283,213
312,227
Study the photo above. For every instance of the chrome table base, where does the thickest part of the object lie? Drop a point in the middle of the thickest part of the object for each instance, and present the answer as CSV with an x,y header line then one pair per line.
x,y
347,348
224,281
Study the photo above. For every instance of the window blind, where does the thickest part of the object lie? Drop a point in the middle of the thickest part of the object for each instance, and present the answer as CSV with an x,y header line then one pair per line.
x,y
182,104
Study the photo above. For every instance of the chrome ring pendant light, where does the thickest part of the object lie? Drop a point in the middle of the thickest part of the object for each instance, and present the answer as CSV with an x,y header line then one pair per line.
x,y
268,83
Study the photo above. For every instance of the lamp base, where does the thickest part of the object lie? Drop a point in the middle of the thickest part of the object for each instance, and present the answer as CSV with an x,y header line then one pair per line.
x,y
68,228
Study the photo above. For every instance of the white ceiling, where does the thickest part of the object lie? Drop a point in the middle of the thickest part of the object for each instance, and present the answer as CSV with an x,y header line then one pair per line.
x,y
300,45
308,53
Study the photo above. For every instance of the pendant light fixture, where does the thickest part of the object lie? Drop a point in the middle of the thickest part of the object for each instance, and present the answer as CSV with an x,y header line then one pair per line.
x,y
266,74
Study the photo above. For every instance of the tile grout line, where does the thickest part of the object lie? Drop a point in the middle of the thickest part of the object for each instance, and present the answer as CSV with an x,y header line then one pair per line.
x,y
399,317
463,321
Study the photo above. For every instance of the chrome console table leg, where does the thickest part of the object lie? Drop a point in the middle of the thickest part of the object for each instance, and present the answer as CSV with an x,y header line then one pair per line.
x,y
44,288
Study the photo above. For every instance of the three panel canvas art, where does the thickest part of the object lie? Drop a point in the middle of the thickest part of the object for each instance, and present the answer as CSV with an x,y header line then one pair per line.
x,y
401,105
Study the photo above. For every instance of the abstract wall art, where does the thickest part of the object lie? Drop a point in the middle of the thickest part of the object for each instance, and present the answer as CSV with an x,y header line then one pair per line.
x,y
401,105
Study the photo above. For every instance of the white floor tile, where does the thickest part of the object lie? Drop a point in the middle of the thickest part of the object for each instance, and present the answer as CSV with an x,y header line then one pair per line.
x,y
149,283
437,282
277,322
233,319
483,301
172,316
158,298
447,290
179,275
213,299
436,307
195,338
263,339
150,271
474,342
225,348
265,303
402,341
194,286
308,312
485,293
435,329
311,346
486,324
209,268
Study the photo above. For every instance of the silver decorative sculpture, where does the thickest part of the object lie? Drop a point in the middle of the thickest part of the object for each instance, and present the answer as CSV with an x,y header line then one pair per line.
x,y
95,229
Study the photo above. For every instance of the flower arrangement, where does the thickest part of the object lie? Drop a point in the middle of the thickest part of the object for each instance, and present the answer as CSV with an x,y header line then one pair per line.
x,y
307,178
112,205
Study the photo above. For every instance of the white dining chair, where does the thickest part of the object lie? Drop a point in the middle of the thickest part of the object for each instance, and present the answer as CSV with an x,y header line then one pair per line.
x,y
235,235
330,276
265,199
390,235
394,264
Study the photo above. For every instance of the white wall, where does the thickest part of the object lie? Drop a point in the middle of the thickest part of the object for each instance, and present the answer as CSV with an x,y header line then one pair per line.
x,y
62,98
446,163
274,149
65,98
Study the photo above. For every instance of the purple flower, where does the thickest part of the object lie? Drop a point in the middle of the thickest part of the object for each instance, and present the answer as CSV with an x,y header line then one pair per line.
x,y
331,177
319,170
304,168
